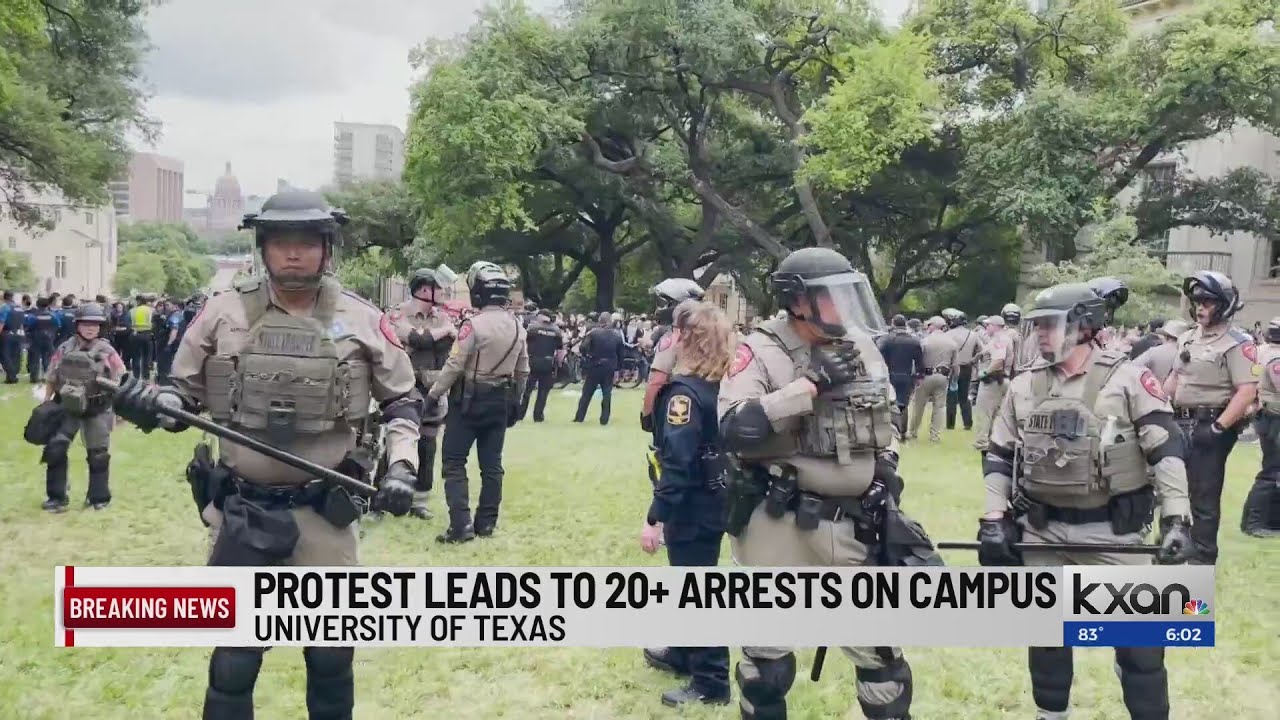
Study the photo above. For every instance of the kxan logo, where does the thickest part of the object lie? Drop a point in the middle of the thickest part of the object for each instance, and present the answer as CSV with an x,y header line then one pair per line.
x,y
1133,599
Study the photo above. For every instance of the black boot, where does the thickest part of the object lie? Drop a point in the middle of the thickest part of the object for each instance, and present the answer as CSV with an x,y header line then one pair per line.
x,y
667,660
463,534
691,694
331,692
55,486
1256,520
54,506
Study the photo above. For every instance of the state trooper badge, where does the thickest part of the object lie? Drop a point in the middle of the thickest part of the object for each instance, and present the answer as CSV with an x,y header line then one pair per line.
x,y
678,410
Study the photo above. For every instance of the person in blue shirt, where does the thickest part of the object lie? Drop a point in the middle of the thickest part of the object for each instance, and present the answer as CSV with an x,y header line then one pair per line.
x,y
12,333
172,334
687,510
42,338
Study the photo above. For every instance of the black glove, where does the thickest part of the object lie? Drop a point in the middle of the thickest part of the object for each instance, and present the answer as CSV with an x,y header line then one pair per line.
x,y
136,401
646,422
997,538
1175,541
419,341
1206,434
834,365
430,407
395,492
886,472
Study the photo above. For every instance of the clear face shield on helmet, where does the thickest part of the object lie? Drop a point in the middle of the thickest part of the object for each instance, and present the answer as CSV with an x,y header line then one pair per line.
x,y
839,303
1048,335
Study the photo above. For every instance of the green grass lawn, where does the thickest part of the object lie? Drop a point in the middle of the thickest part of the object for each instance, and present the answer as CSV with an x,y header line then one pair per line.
x,y
575,495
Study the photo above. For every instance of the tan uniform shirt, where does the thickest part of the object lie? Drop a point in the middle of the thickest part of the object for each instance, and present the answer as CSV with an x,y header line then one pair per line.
x,y
939,350
995,353
412,315
968,345
1269,383
665,356
1221,359
490,348
360,332
765,370
1159,359
1130,393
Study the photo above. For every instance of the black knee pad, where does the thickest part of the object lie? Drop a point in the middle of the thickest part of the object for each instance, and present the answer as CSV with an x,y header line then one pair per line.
x,y
1144,681
233,671
99,461
764,687
55,452
1051,673
896,670
334,662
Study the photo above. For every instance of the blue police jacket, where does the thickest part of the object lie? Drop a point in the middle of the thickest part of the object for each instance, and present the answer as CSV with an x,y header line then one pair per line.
x,y
685,418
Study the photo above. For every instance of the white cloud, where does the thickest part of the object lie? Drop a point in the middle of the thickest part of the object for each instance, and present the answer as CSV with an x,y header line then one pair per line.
x,y
259,83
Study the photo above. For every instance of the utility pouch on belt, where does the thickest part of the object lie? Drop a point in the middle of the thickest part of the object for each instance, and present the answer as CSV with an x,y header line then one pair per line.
x,y
44,422
808,511
199,477
75,399
1037,515
781,489
339,508
1131,512
903,541
252,535
747,487
713,469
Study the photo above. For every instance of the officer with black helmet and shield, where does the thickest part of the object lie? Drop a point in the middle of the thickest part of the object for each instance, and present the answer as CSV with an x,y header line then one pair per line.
x,y
807,416
254,359
484,379
428,333
1073,405
1114,294
1213,384
84,357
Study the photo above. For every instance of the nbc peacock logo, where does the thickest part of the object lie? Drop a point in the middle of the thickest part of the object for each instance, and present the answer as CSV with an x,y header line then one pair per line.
x,y
1195,607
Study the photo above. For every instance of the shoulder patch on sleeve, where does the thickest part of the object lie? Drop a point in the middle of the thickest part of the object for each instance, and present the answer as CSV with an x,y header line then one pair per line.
x,y
741,359
464,332
1250,351
668,340
1273,369
1152,386
388,331
678,410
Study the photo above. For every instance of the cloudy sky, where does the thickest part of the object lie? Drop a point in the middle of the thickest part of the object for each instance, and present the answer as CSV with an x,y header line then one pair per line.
x,y
259,83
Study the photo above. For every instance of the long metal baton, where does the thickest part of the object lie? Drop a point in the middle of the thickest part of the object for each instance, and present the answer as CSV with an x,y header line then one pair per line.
x,y
1061,547
349,483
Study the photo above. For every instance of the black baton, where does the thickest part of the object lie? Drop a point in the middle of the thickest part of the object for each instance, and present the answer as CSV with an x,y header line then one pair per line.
x,y
819,658
1061,547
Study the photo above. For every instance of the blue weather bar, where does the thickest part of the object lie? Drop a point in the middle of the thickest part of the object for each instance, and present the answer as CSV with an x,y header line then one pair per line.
x,y
1122,633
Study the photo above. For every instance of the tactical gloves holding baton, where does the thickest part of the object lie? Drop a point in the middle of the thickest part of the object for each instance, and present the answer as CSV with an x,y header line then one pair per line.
x,y
149,406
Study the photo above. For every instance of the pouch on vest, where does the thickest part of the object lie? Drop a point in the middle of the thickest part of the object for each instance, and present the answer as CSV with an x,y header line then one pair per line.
x,y
252,535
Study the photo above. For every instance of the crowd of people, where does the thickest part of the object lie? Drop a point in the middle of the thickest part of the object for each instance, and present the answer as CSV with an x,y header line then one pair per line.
x,y
785,437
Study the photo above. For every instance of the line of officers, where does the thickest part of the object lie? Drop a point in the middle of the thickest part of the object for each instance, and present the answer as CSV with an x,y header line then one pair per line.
x,y
789,444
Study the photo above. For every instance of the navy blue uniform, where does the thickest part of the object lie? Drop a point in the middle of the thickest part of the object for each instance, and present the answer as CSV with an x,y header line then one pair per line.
x,y
12,333
602,353
689,501
904,355
544,339
164,359
42,337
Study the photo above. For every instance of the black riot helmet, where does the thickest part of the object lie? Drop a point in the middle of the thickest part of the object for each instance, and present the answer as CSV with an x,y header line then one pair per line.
x,y
300,211
421,278
1064,317
531,307
489,284
836,297
955,318
1012,314
670,293
1214,287
1114,294
1273,330
91,313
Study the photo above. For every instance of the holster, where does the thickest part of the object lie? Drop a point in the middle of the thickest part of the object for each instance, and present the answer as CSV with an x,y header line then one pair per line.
x,y
747,486
200,473
782,487
253,534
1132,512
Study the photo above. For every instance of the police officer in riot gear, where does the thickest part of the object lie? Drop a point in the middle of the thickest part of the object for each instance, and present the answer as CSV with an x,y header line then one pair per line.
x,y
428,334
484,379
254,359
669,294
1213,384
42,336
74,367
1261,516
546,341
1114,294
1072,405
807,416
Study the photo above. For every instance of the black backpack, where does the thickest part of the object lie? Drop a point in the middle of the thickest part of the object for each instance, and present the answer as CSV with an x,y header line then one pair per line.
x,y
44,422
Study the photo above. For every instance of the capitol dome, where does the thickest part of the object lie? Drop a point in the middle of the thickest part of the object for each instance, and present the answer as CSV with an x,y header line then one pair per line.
x,y
227,186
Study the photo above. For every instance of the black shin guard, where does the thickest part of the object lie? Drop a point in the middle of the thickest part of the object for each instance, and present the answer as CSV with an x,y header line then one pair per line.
x,y
232,674
99,476
331,692
1051,673
426,464
764,685
1144,681
876,687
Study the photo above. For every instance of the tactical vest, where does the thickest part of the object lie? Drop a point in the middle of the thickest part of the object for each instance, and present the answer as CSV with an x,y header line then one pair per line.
x,y
46,325
288,380
1068,451
857,416
427,363
1268,393
1206,373
78,370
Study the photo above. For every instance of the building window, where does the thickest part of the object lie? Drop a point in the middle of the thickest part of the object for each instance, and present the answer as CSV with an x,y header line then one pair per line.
x,y
13,243
60,266
88,218
1157,178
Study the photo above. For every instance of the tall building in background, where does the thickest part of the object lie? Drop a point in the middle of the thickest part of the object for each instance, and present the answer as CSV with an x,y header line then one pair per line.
x,y
226,205
152,189
78,255
366,152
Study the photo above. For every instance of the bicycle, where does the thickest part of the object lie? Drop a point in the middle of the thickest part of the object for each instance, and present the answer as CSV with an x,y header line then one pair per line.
x,y
628,374
569,371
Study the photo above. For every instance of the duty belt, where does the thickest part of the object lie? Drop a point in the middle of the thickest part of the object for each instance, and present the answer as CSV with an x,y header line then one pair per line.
x,y
289,496
1197,413
833,508
1078,516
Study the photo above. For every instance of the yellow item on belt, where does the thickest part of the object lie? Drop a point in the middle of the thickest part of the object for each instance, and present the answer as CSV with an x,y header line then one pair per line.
x,y
142,317
654,465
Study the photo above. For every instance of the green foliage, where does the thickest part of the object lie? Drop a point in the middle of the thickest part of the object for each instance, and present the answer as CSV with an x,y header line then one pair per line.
x,y
364,272
172,248
1114,252
232,243
16,272
70,92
